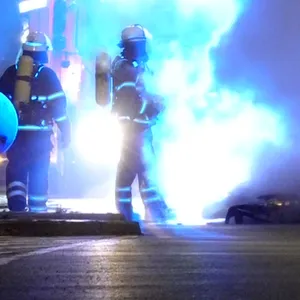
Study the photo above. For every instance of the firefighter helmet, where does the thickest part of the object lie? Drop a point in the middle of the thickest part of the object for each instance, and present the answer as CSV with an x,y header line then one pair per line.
x,y
37,42
134,33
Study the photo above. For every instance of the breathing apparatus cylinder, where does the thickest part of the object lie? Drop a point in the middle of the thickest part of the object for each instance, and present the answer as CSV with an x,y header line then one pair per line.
x,y
103,80
23,81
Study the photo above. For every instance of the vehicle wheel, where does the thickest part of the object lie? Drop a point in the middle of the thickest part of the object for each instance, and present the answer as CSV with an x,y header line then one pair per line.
x,y
238,217
229,215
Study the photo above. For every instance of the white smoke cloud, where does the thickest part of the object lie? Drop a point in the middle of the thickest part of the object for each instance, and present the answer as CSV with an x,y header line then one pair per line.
x,y
211,137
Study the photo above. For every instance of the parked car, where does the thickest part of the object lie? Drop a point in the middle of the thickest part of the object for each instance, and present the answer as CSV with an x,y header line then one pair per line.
x,y
277,209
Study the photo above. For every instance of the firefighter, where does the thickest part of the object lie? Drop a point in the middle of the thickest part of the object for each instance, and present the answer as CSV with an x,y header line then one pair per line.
x,y
40,102
137,111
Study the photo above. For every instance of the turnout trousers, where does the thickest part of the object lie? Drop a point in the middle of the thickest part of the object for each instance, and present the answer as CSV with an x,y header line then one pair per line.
x,y
138,160
27,174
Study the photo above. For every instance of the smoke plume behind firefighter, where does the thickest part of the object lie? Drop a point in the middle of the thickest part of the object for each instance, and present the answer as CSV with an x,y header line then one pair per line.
x,y
228,122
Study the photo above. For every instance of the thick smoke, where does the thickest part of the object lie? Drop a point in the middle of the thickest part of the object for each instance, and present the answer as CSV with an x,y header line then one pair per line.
x,y
262,52
228,72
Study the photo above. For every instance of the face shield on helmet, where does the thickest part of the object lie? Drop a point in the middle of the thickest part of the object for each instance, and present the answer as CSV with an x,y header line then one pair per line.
x,y
37,45
135,42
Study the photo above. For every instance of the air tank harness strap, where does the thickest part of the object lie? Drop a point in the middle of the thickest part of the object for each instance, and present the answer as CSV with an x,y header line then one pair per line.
x,y
24,78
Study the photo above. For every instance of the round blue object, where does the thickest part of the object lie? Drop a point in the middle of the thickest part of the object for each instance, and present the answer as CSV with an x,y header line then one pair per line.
x,y
8,123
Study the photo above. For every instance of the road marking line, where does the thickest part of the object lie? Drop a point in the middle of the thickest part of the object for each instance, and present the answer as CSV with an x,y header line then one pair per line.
x,y
107,241
7,260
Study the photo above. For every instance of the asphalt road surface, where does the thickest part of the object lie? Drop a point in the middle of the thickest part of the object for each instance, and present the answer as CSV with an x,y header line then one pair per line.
x,y
208,262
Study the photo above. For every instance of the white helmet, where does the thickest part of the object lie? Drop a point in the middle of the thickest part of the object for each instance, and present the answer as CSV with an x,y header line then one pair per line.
x,y
134,33
37,42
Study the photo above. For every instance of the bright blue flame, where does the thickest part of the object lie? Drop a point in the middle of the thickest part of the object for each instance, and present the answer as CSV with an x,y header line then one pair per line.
x,y
209,137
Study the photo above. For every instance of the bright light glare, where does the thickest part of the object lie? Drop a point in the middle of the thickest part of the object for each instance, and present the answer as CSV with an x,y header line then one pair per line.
x,y
2,159
29,5
214,154
98,137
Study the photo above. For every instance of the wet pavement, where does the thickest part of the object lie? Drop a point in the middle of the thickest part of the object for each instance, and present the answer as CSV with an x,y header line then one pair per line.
x,y
205,262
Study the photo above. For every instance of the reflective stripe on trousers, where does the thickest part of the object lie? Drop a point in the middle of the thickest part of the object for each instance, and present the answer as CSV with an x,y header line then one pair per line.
x,y
11,194
16,192
37,203
123,202
16,184
16,188
150,194
123,194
